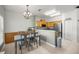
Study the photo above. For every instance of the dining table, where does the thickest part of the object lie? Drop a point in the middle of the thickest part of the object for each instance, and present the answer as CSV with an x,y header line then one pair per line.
x,y
25,33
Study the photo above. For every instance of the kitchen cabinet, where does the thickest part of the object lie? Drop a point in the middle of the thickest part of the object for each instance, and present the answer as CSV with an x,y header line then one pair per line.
x,y
9,37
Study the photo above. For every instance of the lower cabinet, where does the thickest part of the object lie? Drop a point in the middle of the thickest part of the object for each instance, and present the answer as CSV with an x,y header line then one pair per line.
x,y
9,37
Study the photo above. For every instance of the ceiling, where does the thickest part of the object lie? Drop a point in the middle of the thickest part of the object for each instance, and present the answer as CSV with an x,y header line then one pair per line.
x,y
34,8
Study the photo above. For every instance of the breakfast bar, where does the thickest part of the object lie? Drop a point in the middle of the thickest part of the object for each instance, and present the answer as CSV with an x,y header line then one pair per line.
x,y
48,36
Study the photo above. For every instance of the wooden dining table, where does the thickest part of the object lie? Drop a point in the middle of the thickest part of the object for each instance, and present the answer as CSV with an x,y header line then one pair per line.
x,y
25,34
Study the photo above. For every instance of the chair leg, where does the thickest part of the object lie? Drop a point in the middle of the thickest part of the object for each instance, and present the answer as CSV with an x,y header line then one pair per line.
x,y
37,43
19,46
31,45
21,49
28,46
34,43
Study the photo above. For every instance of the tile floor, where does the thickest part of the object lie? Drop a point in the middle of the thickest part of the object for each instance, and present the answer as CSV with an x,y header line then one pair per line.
x,y
68,47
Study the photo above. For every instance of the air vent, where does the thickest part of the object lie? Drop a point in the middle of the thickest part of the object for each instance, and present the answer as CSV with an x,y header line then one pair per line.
x,y
68,19
39,10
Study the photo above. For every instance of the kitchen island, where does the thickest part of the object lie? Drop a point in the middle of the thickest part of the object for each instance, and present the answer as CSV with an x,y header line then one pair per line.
x,y
48,36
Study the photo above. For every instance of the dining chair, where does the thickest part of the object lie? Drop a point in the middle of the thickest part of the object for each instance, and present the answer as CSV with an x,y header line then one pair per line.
x,y
37,37
33,39
20,40
28,39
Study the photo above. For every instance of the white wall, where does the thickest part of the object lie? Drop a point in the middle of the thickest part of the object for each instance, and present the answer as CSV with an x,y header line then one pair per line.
x,y
16,22
1,10
78,24
1,31
71,26
1,25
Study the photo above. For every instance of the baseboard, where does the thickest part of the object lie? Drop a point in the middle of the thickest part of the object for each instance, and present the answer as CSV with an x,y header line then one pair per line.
x,y
48,43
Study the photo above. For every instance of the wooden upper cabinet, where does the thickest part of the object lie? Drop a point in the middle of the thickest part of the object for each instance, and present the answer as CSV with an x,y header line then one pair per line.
x,y
41,22
48,24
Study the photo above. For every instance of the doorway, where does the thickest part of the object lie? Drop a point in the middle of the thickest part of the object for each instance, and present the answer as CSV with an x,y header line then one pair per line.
x,y
68,29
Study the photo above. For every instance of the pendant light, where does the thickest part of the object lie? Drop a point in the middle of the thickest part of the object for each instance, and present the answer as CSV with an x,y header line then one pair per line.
x,y
27,13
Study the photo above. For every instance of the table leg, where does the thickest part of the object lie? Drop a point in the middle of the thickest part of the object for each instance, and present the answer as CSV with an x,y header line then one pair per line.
x,y
21,47
39,41
56,41
15,47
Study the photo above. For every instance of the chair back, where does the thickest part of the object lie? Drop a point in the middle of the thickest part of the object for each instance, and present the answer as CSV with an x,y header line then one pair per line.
x,y
18,37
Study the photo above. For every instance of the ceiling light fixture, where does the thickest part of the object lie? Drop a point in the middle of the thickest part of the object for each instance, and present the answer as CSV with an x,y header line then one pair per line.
x,y
56,14
27,13
50,12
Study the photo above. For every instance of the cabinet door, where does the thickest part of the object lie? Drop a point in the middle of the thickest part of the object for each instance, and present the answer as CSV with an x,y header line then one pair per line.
x,y
8,38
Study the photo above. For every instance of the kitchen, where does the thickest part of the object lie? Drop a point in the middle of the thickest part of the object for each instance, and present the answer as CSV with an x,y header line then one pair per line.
x,y
51,27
